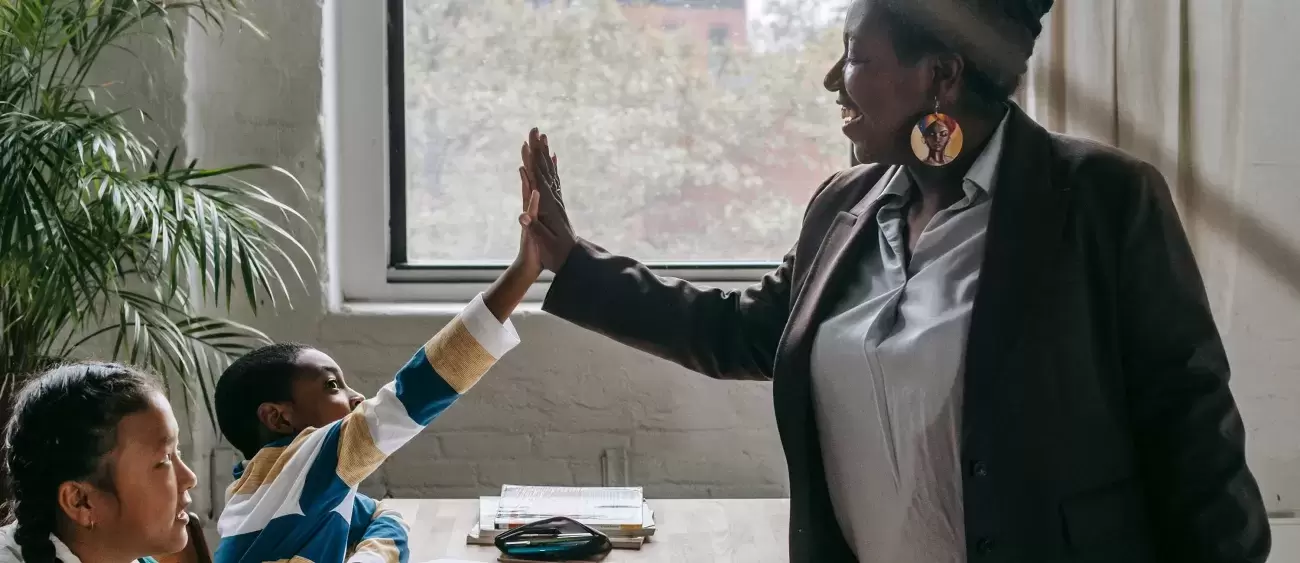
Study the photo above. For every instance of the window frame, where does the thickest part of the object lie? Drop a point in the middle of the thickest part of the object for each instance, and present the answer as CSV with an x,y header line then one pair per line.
x,y
365,178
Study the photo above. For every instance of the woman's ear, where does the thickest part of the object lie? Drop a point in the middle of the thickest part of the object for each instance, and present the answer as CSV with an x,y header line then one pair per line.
x,y
276,417
949,72
75,500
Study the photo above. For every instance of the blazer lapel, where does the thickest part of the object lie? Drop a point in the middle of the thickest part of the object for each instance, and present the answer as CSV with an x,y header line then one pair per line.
x,y
1025,231
844,239
835,258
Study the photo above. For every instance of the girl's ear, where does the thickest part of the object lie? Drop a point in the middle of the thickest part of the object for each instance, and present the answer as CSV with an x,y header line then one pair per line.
x,y
76,503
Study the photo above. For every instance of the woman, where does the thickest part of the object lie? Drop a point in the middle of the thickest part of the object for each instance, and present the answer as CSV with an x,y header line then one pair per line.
x,y
94,471
1007,356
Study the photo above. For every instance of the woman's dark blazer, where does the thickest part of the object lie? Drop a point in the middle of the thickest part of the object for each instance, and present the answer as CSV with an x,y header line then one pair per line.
x,y
1098,425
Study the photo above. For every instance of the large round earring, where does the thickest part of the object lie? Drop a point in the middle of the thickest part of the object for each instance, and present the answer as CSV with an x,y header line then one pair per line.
x,y
937,138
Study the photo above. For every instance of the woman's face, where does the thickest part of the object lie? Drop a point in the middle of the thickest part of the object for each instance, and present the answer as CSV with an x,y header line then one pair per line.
x,y
146,512
880,96
936,136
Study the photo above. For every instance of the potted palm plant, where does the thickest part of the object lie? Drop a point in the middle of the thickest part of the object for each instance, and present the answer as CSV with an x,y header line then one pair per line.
x,y
110,246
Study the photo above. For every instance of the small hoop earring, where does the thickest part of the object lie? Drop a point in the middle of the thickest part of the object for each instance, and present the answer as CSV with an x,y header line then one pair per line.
x,y
937,138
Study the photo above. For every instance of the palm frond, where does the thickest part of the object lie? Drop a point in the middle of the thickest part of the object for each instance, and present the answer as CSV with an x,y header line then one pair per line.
x,y
108,238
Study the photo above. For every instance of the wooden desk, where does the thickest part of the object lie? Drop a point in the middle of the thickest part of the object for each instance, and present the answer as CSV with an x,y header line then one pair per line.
x,y
739,531
694,531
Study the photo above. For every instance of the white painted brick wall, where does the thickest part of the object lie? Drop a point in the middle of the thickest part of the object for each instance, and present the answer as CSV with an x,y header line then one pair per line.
x,y
578,445
484,445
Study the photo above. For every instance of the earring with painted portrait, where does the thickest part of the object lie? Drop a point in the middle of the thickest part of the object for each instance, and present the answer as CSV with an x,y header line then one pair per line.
x,y
937,138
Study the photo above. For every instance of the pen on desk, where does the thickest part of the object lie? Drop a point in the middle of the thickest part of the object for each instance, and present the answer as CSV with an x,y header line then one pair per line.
x,y
548,538
546,543
558,536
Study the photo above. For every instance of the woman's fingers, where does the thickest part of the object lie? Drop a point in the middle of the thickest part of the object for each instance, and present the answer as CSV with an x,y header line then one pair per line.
x,y
546,160
541,166
534,148
555,169
547,164
542,169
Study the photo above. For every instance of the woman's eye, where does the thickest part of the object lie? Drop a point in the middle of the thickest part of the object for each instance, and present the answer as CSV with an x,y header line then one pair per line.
x,y
332,385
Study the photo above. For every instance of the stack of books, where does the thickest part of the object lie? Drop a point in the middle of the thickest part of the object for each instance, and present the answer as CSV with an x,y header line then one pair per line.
x,y
618,512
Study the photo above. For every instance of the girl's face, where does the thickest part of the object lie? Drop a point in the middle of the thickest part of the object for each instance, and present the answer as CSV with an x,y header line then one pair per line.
x,y
146,513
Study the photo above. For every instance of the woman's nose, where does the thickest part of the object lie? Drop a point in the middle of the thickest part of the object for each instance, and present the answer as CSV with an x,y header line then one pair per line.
x,y
834,80
355,400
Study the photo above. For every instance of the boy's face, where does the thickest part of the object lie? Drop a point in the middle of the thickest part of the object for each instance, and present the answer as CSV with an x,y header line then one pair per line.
x,y
320,395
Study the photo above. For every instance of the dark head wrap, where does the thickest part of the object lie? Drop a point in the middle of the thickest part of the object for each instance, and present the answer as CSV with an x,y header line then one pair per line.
x,y
995,36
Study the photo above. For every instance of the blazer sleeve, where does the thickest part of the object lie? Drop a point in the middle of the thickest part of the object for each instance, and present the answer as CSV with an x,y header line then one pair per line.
x,y
1190,439
721,334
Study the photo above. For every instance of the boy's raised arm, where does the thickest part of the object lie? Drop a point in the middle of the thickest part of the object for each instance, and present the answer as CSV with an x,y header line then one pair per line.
x,y
447,366
317,471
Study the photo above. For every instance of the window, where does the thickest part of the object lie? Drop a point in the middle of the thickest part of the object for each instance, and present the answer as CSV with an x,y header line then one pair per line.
x,y
697,168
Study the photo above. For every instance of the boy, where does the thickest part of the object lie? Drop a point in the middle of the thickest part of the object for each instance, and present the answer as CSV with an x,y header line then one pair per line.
x,y
309,440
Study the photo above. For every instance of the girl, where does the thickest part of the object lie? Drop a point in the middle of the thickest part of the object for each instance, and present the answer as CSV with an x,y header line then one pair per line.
x,y
93,468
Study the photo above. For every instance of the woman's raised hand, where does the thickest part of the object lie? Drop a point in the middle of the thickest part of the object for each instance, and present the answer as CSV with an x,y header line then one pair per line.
x,y
548,226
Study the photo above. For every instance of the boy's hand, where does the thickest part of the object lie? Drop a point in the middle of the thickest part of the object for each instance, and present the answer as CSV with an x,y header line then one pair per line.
x,y
528,260
510,288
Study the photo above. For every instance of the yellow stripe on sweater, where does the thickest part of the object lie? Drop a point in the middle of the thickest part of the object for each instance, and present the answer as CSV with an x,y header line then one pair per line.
x,y
457,356
266,466
358,454
382,509
384,548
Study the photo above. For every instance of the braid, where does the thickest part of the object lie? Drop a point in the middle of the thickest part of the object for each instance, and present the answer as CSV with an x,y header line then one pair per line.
x,y
64,422
35,524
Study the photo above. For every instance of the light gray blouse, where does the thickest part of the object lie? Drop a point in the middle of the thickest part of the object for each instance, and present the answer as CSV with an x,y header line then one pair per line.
x,y
887,376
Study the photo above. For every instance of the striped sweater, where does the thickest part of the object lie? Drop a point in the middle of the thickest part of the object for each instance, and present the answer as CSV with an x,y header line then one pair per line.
x,y
297,499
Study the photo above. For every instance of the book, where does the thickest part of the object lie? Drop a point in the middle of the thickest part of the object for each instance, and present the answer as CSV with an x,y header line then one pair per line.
x,y
621,508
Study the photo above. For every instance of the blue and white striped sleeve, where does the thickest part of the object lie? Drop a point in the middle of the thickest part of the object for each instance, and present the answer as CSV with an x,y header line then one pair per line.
x,y
447,366
384,541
